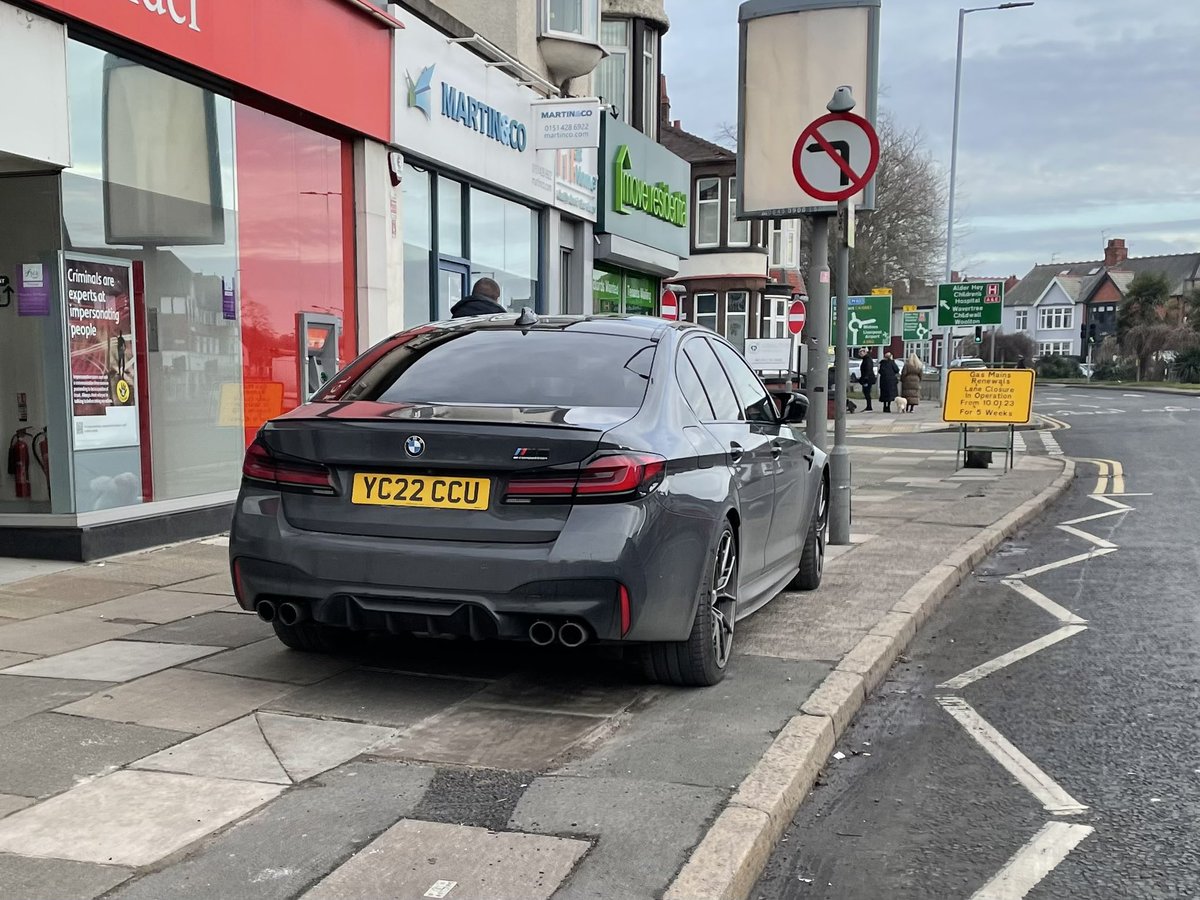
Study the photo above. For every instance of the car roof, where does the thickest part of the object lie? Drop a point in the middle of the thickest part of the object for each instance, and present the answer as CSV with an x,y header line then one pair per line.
x,y
645,327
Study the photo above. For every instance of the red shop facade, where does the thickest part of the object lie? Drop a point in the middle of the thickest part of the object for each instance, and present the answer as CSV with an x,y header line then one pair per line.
x,y
185,266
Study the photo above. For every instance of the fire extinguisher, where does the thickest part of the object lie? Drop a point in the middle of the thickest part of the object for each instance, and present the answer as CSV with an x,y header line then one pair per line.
x,y
18,462
41,452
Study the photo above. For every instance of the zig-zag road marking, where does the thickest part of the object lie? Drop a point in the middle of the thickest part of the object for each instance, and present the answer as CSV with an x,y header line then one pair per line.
x,y
959,682
1033,862
1053,798
1061,613
1055,841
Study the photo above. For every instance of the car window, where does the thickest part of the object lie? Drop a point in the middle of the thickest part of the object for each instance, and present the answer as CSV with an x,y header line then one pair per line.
x,y
716,385
505,367
693,389
751,394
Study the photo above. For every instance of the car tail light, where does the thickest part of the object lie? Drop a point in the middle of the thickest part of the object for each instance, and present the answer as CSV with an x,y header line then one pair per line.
x,y
612,475
261,465
623,602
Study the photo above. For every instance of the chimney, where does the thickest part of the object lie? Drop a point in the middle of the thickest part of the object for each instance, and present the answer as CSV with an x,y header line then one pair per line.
x,y
664,104
1115,253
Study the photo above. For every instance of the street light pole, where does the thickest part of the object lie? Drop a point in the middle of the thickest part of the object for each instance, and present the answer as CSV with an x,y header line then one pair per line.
x,y
948,333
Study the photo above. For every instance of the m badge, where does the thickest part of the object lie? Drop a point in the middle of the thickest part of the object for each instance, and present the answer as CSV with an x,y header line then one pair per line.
x,y
532,453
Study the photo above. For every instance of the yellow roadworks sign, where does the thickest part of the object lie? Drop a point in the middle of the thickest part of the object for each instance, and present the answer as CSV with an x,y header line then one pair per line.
x,y
989,396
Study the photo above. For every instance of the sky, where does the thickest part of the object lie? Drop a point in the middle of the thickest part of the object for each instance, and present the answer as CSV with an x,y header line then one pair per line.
x,y
1080,119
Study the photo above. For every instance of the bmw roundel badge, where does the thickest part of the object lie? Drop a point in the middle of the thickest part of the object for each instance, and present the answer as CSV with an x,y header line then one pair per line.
x,y
414,446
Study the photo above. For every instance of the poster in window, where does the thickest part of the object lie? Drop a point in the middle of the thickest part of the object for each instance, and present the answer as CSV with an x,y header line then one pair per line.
x,y
101,337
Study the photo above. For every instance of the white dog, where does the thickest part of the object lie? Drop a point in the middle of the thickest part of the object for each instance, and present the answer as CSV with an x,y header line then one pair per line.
x,y
901,404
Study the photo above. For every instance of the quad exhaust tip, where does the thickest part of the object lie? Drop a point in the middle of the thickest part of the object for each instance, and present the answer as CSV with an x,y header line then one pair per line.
x,y
572,634
292,613
542,633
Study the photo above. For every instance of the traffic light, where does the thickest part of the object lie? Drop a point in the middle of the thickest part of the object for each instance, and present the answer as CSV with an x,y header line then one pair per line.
x,y
979,334
1089,332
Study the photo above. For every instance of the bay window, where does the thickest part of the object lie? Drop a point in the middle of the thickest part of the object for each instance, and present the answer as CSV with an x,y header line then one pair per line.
x,y
1056,317
705,312
708,212
785,244
613,83
737,304
739,232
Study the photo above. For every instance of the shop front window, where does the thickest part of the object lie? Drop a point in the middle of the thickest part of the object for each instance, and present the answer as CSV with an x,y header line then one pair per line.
x,y
150,240
504,247
617,292
418,244
183,309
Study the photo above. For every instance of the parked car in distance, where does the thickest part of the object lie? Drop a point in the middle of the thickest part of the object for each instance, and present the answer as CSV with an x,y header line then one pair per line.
x,y
968,362
551,480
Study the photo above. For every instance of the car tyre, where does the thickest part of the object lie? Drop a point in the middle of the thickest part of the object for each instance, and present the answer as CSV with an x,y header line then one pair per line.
x,y
313,637
812,560
703,658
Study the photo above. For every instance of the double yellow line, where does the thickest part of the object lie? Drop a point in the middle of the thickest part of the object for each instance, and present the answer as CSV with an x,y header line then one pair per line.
x,y
1053,423
1111,476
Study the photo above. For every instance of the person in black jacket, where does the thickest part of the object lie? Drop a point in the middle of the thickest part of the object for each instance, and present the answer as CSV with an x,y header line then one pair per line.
x,y
483,301
889,382
866,376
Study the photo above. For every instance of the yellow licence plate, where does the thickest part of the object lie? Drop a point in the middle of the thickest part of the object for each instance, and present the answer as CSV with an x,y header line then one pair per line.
x,y
421,490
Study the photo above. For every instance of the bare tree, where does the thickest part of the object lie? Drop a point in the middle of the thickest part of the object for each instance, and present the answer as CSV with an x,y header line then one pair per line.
x,y
727,136
904,238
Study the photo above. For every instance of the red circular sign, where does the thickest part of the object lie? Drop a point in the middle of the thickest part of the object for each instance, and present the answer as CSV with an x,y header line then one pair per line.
x,y
797,316
857,180
669,306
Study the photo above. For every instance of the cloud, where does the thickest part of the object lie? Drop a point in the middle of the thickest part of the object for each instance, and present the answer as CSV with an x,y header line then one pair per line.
x,y
1077,118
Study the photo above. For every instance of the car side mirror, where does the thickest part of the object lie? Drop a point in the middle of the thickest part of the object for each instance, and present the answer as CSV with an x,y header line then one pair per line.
x,y
796,410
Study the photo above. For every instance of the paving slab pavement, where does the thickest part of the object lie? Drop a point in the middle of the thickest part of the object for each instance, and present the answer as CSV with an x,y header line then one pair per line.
x,y
451,751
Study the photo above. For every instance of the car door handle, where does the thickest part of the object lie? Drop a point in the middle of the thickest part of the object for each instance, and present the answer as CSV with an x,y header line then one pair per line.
x,y
809,457
736,452
776,449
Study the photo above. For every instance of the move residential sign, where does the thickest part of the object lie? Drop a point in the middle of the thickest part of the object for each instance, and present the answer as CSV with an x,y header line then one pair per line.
x,y
571,124
631,192
967,303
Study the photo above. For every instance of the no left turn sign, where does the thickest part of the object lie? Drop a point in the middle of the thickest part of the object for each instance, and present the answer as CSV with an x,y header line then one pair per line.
x,y
835,157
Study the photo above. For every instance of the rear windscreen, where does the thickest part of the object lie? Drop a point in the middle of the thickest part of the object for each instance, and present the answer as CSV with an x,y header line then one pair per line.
x,y
511,368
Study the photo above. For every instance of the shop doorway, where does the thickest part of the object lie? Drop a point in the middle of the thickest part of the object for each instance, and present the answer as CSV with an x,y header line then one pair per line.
x,y
30,336
452,286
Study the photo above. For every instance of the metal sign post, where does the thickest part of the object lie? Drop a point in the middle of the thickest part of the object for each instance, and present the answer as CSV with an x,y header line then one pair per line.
x,y
839,458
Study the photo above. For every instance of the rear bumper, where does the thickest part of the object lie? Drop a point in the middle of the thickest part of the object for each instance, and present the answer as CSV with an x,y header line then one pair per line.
x,y
477,590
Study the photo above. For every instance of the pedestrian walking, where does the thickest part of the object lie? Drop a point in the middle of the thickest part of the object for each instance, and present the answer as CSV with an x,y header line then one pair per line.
x,y
483,301
910,382
866,376
889,381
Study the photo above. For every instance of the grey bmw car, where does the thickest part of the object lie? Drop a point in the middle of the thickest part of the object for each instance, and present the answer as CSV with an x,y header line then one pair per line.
x,y
566,480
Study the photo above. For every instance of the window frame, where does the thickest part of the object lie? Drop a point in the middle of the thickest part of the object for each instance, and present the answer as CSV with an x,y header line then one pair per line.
x,y
763,410
589,14
651,49
1056,318
1021,320
732,221
706,206
776,317
682,360
625,53
701,341
715,314
1055,348
744,314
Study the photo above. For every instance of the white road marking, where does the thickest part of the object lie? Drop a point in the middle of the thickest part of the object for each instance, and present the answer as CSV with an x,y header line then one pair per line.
x,y
1090,538
1061,613
1049,567
1033,862
1052,797
1095,516
958,682
1115,504
1136,396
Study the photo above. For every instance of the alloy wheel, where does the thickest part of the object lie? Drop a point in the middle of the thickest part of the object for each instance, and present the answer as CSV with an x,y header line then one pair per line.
x,y
724,599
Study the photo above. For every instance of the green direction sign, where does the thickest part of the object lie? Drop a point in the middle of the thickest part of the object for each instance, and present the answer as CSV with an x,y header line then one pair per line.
x,y
967,303
870,320
916,326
